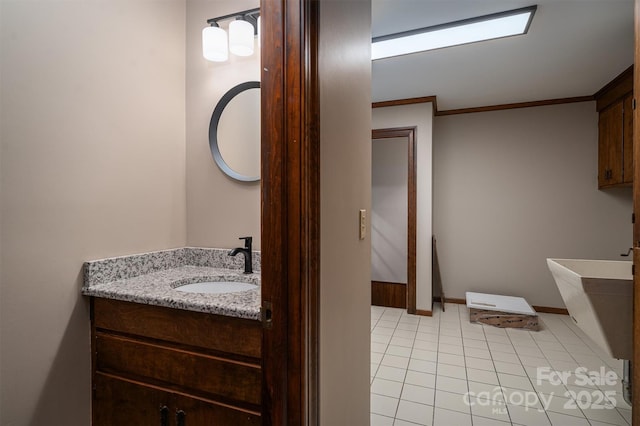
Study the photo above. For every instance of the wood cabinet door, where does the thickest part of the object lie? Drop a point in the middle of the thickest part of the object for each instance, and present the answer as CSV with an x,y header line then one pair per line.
x,y
187,411
610,149
627,125
120,402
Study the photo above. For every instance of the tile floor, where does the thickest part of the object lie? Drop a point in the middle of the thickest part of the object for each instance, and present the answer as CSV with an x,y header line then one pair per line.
x,y
445,371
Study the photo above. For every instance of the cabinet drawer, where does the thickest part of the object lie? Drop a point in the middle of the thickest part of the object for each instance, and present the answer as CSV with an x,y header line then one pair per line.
x,y
123,402
218,378
215,332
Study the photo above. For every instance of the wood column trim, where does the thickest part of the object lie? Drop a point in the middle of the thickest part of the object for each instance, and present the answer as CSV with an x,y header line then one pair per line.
x,y
290,211
635,362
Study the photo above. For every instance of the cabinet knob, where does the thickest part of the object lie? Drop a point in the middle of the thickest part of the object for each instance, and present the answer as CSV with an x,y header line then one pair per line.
x,y
180,418
164,416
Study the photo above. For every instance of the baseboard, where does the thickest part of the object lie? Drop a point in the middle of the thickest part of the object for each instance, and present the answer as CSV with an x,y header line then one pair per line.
x,y
542,309
388,294
549,310
424,313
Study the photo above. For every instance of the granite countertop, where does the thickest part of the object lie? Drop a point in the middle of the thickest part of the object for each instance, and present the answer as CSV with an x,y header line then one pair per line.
x,y
151,278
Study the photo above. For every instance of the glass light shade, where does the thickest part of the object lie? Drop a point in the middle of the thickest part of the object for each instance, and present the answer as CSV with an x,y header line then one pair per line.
x,y
214,44
241,38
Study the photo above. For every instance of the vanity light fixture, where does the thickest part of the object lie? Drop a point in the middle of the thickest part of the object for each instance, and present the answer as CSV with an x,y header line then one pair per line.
x,y
480,28
215,42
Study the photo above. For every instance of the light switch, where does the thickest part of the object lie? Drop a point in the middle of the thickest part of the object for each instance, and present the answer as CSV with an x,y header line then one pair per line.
x,y
363,223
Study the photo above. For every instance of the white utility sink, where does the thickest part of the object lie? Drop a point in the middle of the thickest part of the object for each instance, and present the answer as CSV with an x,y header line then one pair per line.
x,y
599,297
216,287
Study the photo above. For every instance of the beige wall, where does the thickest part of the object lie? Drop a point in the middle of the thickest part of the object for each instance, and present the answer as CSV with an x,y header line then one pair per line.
x,y
92,165
420,115
345,261
219,209
514,187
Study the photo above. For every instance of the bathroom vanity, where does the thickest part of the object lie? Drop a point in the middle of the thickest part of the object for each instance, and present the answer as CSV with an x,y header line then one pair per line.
x,y
165,357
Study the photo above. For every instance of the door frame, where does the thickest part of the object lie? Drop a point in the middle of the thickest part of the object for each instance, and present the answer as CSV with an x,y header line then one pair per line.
x,y
635,379
408,133
290,212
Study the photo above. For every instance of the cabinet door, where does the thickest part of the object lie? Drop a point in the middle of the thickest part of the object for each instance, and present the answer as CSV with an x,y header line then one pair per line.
x,y
628,138
120,402
610,149
187,411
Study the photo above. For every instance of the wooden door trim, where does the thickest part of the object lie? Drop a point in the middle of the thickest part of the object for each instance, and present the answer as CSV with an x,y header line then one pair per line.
x,y
410,134
635,379
290,212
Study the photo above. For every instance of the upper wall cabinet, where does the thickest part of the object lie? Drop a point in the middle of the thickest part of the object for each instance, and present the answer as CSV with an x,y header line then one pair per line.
x,y
614,102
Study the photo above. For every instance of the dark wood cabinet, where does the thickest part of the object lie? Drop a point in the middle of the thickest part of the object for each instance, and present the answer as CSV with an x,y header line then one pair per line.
x,y
614,102
169,367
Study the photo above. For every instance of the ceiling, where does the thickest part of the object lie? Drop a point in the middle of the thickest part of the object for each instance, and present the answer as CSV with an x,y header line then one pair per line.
x,y
573,48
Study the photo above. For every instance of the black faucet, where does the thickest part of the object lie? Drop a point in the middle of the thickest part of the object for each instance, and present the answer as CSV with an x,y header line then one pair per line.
x,y
246,251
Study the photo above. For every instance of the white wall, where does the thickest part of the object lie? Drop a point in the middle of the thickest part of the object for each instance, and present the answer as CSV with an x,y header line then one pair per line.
x,y
345,187
219,209
514,187
389,209
92,165
420,115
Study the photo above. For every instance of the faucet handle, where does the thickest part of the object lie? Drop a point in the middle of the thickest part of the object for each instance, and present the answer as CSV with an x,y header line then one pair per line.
x,y
247,241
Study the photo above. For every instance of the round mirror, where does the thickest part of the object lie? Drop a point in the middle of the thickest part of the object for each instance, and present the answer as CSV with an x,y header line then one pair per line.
x,y
234,132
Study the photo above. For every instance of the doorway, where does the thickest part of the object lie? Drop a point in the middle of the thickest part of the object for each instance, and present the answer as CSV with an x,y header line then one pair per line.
x,y
393,284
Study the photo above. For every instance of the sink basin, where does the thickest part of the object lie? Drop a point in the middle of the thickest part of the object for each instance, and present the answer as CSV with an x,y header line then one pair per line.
x,y
216,287
599,297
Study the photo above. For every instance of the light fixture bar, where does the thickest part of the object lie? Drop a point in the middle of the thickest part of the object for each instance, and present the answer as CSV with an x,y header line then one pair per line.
x,y
250,15
472,30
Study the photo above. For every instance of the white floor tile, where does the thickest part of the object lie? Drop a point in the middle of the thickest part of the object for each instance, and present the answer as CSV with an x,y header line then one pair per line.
x,y
505,357
417,413
395,361
484,421
451,359
442,417
421,379
399,351
558,419
418,394
450,349
450,384
404,333
479,363
605,415
424,355
528,416
422,366
401,341
386,387
451,332
399,422
491,409
378,420
482,376
472,342
516,382
378,347
452,401
451,371
449,340
505,367
446,362
391,373
383,405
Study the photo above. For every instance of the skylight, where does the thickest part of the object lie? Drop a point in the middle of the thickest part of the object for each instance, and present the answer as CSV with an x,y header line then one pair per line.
x,y
481,28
